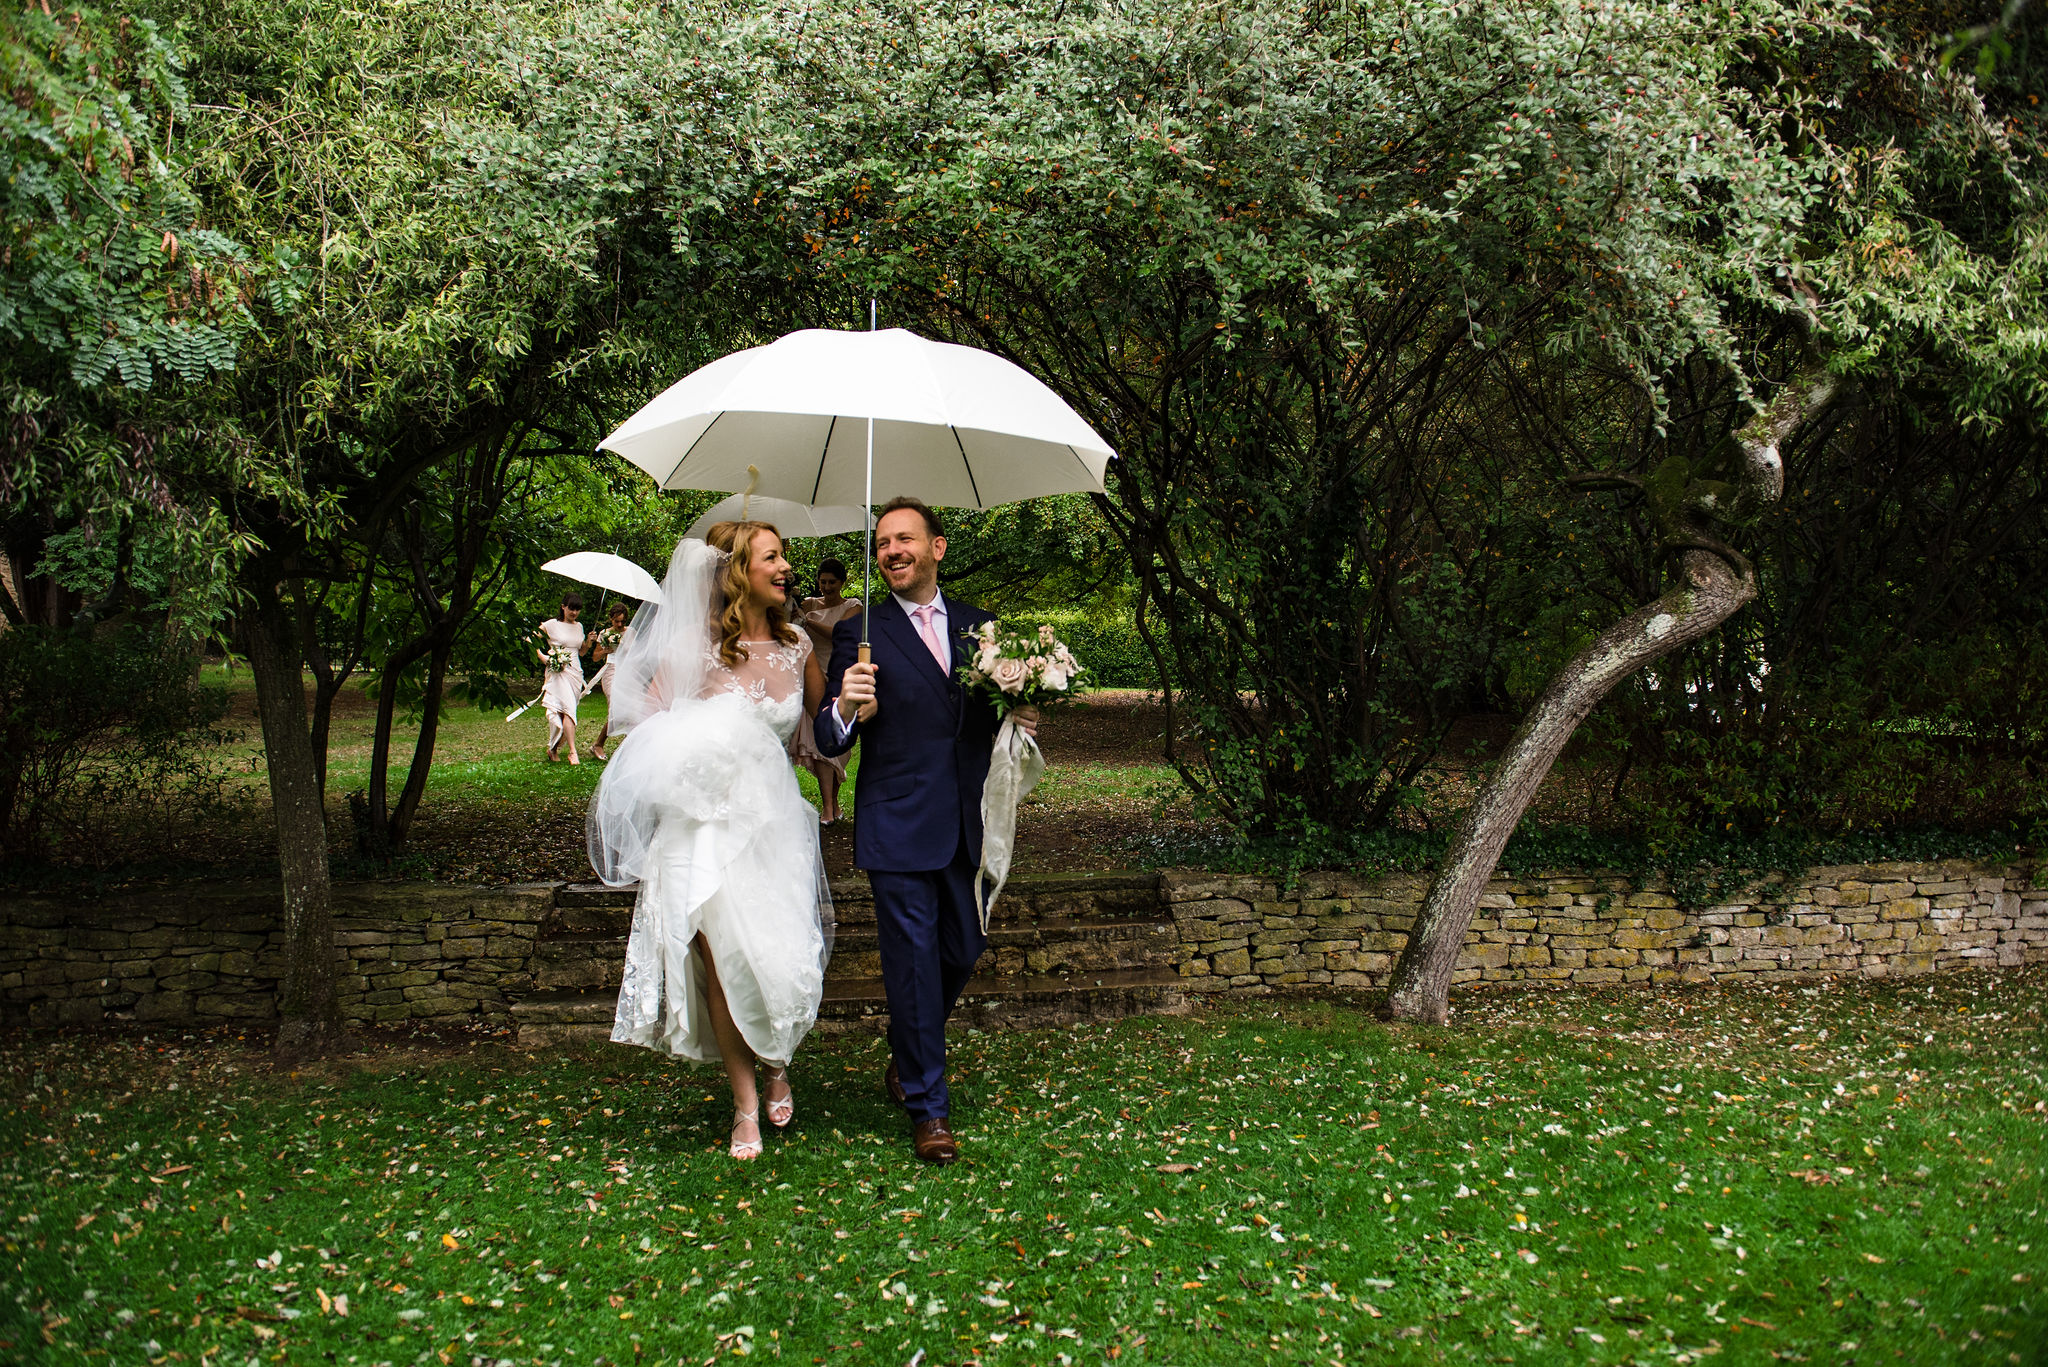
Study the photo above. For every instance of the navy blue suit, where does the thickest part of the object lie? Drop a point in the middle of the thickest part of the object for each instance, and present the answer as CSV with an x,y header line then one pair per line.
x,y
917,828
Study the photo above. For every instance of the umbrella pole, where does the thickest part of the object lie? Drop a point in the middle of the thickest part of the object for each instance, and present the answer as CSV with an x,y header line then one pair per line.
x,y
867,577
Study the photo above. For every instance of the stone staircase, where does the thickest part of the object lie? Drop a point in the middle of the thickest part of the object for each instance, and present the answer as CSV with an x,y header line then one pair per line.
x,y
1061,949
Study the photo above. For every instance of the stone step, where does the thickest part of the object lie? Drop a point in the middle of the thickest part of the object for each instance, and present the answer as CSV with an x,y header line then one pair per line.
x,y
1034,949
859,1004
585,907
593,960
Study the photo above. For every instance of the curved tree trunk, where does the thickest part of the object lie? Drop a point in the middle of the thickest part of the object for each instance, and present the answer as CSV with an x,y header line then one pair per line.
x,y
1714,585
1422,980
310,1016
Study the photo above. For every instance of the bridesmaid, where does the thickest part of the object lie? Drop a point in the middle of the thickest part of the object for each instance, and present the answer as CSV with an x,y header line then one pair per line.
x,y
618,622
817,617
564,686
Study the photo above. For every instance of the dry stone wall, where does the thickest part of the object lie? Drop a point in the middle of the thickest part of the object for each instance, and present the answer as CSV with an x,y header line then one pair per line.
x,y
1245,935
212,954
412,951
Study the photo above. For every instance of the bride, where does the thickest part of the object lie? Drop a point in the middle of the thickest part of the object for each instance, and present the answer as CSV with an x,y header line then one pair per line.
x,y
700,807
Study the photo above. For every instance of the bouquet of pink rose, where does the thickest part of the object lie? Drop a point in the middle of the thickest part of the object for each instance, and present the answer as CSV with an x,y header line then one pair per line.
x,y
1014,669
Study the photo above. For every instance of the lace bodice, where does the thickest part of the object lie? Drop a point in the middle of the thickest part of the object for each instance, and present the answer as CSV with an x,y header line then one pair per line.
x,y
771,678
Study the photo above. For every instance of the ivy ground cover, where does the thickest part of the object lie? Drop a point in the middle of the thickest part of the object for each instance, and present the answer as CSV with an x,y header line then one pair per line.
x,y
1838,1173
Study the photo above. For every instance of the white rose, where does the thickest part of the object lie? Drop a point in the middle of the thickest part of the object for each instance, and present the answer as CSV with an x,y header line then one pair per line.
x,y
985,659
1009,674
1055,678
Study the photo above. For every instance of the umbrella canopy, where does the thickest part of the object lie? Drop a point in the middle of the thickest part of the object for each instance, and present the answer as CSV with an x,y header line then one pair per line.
x,y
607,571
792,519
953,426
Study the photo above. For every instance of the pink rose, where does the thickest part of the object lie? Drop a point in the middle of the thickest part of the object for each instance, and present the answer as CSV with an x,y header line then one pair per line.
x,y
1010,675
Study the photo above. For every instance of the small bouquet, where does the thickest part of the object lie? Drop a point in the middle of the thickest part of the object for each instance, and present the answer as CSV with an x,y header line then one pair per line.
x,y
559,658
1012,669
608,640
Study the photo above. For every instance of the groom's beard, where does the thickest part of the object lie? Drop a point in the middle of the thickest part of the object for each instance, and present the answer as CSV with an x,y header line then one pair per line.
x,y
919,572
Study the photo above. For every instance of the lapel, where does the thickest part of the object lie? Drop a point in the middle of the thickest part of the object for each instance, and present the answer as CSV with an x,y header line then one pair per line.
x,y
897,626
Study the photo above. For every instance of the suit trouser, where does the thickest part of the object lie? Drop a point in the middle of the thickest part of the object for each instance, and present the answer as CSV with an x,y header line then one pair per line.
x,y
930,939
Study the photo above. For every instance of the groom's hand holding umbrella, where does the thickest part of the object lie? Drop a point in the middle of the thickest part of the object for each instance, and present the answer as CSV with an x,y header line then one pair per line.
x,y
857,693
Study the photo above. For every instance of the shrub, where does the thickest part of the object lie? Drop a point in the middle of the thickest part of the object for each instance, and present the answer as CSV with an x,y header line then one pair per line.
x,y
96,729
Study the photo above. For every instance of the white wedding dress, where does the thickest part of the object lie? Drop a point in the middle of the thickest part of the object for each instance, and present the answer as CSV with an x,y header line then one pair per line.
x,y
700,806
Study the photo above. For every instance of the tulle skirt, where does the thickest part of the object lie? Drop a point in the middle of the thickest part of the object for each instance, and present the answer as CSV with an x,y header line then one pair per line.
x,y
700,806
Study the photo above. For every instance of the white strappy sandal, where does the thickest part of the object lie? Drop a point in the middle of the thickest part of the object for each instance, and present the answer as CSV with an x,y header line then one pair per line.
x,y
780,1113
745,1149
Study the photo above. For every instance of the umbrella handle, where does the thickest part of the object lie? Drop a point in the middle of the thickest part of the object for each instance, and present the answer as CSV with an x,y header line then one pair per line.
x,y
746,495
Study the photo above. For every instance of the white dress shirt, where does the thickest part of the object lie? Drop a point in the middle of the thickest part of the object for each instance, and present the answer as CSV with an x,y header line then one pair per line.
x,y
910,610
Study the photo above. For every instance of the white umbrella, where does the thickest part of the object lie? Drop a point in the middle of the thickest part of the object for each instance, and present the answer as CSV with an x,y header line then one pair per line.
x,y
607,571
792,519
953,426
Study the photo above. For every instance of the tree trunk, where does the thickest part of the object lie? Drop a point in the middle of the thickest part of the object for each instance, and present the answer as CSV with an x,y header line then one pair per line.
x,y
1715,584
310,1021
1712,593
423,746
378,837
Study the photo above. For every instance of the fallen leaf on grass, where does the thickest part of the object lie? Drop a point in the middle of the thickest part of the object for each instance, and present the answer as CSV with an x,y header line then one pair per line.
x,y
1178,1167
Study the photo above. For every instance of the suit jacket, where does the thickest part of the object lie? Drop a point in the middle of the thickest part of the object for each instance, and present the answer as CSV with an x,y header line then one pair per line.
x,y
924,755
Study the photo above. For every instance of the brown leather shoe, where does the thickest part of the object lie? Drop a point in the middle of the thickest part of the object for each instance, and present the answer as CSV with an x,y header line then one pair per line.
x,y
933,1142
894,1082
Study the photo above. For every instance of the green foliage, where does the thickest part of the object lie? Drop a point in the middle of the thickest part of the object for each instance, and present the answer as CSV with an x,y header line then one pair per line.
x,y
97,731
107,271
1295,265
1348,288
118,294
1889,672
1699,866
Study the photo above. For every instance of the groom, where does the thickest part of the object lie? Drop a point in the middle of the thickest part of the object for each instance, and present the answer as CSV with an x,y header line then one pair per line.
x,y
925,747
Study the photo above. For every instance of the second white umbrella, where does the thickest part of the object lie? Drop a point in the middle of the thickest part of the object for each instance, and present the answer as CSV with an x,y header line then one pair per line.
x,y
792,519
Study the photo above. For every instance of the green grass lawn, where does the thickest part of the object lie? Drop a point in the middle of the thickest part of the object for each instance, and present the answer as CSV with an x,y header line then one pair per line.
x,y
1828,1173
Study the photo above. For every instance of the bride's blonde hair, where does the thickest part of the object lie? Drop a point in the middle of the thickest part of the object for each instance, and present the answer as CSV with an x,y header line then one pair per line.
x,y
736,539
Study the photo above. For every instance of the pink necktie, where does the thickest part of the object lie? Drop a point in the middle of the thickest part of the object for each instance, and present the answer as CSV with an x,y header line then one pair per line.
x,y
931,636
